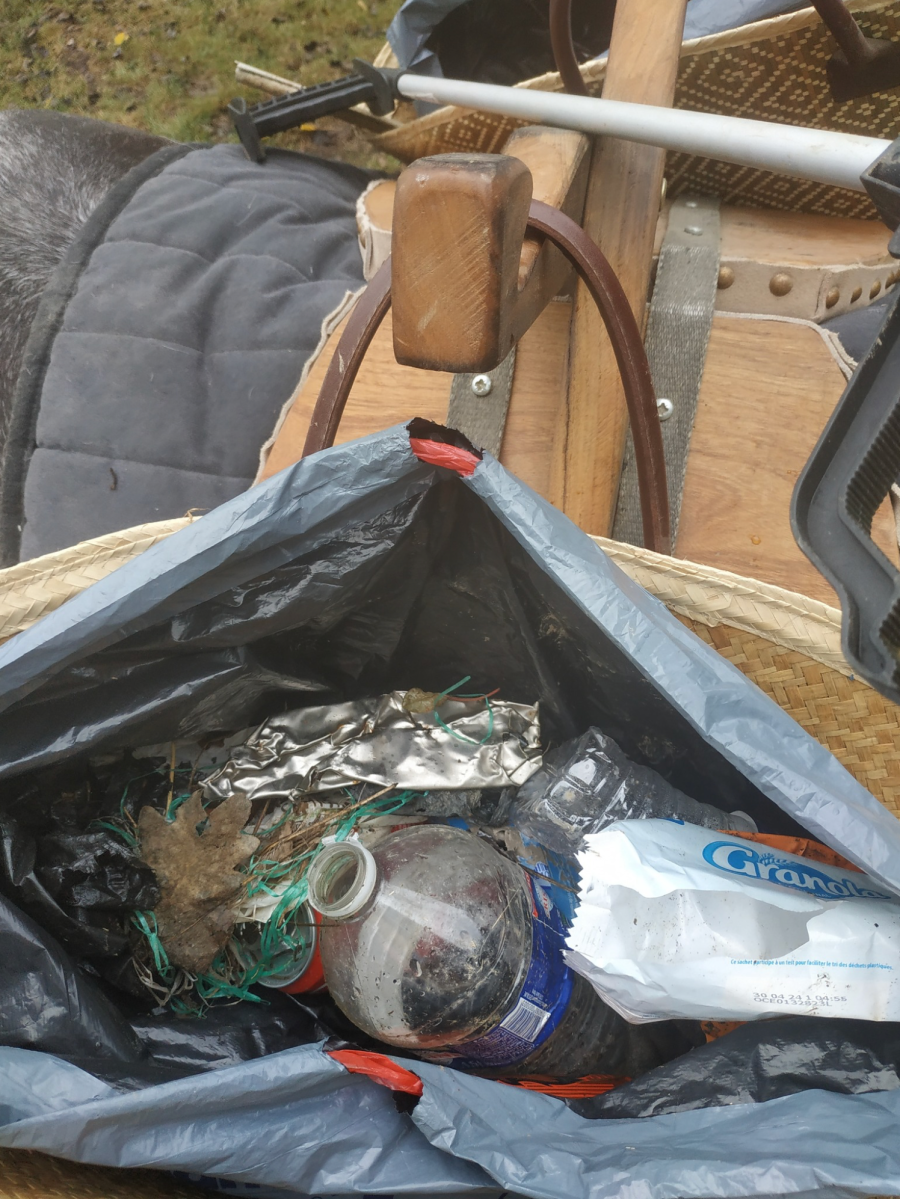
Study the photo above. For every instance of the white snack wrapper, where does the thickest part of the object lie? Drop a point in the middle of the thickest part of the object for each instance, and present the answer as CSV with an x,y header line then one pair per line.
x,y
677,921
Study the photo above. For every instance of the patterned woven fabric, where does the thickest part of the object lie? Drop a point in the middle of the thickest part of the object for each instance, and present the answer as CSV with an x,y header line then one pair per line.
x,y
780,77
773,70
28,1175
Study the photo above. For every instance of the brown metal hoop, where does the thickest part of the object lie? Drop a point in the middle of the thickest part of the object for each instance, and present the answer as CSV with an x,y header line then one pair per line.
x,y
621,326
564,48
370,310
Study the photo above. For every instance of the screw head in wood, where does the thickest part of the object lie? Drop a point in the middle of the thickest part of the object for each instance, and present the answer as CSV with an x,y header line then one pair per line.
x,y
780,284
726,278
694,230
482,385
665,408
832,296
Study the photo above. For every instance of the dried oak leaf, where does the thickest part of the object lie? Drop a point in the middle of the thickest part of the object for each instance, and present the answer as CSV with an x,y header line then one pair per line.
x,y
198,881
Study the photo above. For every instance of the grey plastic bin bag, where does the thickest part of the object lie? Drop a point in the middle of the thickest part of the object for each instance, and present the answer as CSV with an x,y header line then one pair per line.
x,y
364,569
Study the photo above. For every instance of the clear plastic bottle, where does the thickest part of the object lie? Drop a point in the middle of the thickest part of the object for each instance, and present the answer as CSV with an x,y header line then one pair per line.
x,y
589,783
433,941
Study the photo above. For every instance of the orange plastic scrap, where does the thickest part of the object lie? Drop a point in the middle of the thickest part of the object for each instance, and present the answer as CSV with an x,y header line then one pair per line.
x,y
581,1088
388,1073
713,1029
800,846
381,1069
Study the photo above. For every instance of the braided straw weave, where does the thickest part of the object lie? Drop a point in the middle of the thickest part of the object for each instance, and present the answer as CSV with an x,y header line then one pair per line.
x,y
771,70
32,589
790,646
28,1175
787,644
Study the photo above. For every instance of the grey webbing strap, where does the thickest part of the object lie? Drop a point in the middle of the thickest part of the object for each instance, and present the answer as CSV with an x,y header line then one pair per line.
x,y
479,404
678,329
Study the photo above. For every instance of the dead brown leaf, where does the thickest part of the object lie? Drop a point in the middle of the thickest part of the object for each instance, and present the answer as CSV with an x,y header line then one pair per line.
x,y
200,886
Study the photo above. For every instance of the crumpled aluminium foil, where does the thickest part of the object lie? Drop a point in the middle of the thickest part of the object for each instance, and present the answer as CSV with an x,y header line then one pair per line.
x,y
378,741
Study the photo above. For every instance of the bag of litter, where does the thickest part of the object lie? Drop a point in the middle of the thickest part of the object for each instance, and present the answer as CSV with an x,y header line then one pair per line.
x,y
360,571
760,1061
678,921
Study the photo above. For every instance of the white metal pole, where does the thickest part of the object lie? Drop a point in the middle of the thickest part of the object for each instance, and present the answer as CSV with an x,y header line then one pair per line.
x,y
817,154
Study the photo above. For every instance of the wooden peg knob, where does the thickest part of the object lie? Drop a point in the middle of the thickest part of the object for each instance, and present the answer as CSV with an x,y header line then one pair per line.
x,y
459,224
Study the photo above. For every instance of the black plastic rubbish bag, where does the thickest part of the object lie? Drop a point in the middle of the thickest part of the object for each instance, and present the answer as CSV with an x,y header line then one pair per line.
x,y
361,570
48,1004
762,1061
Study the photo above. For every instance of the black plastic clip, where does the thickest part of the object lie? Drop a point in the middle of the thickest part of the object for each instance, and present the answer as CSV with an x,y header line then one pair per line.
x,y
842,486
373,86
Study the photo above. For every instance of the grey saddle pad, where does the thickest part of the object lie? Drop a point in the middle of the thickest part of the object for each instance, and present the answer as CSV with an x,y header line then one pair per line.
x,y
170,338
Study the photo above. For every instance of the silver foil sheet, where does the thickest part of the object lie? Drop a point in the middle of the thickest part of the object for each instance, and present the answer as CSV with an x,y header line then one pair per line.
x,y
380,741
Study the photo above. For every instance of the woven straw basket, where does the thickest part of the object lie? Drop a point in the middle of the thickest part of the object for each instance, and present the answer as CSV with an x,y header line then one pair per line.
x,y
28,1175
771,70
787,644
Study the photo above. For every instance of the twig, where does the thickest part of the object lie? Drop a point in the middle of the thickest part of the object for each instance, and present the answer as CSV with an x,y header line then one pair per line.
x,y
171,782
334,816
263,814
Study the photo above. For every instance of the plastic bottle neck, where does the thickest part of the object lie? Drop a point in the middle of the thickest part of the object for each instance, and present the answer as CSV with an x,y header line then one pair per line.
x,y
341,880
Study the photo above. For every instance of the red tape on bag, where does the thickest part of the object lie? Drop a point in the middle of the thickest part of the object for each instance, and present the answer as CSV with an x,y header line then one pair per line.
x,y
379,1068
436,453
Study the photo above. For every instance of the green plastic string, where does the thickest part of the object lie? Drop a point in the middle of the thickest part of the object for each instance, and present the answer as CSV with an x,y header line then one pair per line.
x,y
442,695
176,803
129,838
266,876
222,981
439,699
146,922
461,736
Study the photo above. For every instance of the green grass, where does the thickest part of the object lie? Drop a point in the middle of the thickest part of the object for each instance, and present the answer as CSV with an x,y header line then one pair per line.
x,y
167,66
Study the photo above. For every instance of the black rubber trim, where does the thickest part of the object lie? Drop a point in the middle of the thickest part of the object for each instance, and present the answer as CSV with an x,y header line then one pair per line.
x,y
20,443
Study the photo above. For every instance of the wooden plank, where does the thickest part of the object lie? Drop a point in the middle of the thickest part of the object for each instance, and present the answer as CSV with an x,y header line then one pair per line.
x,y
385,394
558,160
621,211
379,204
798,239
767,391
537,403
794,238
